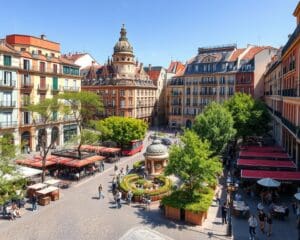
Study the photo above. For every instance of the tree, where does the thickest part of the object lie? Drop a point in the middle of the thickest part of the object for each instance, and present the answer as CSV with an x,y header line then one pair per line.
x,y
250,116
121,130
83,106
215,124
8,185
44,112
192,163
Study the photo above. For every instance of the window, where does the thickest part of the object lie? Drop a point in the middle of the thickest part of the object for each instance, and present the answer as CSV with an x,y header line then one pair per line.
x,y
39,52
122,103
7,78
55,68
52,55
7,60
26,65
122,93
42,67
23,49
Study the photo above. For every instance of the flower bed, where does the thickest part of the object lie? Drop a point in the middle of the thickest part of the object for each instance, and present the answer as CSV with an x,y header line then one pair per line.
x,y
140,186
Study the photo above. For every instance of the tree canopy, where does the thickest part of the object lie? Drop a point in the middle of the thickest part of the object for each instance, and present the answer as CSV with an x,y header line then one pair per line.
x,y
82,106
250,116
121,130
215,124
192,163
8,186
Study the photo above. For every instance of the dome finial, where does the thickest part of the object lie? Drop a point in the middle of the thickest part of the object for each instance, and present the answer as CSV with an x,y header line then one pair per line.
x,y
123,33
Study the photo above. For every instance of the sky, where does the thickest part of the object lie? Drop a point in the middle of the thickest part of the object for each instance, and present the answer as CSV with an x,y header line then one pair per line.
x,y
159,30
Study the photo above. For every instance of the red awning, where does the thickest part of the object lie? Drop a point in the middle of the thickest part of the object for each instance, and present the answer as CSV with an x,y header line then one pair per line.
x,y
266,149
83,162
278,175
274,155
266,163
110,150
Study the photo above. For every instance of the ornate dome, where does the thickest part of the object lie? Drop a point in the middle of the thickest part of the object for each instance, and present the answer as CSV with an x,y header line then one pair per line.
x,y
123,45
156,149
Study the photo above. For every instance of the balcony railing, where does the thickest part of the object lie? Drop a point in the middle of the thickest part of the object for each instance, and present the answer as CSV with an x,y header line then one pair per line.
x,y
11,124
290,125
71,89
55,90
7,104
7,84
43,88
26,86
292,92
176,103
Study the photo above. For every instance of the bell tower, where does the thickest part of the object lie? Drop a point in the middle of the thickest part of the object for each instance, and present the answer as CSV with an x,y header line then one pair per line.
x,y
123,57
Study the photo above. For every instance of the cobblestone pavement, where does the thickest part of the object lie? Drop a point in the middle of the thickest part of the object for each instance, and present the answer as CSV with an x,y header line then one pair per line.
x,y
79,215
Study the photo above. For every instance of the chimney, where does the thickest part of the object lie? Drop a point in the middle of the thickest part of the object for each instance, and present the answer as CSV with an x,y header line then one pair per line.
x,y
43,36
149,67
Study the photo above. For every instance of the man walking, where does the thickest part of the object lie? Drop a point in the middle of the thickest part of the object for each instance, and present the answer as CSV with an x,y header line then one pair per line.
x,y
119,196
224,213
102,166
34,202
100,191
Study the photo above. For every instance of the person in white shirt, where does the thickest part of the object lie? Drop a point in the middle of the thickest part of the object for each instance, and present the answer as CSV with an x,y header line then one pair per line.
x,y
252,221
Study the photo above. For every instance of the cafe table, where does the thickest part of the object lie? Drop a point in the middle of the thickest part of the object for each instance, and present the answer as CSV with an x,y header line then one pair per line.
x,y
34,188
51,191
240,208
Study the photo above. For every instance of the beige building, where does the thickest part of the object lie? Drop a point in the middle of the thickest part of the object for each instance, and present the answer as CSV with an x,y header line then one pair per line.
x,y
38,72
122,84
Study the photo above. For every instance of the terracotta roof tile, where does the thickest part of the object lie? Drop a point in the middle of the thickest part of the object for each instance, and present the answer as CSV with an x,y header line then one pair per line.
x,y
67,61
236,54
153,74
73,57
175,67
252,52
5,47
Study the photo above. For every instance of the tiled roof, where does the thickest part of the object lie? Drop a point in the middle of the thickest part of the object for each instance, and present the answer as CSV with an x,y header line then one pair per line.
x,y
236,54
180,72
5,47
252,52
67,61
175,67
153,73
73,57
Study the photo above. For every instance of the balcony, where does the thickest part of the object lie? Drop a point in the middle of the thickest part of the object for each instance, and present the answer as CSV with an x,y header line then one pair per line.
x,y
292,92
43,88
26,87
176,93
11,124
7,84
7,104
55,90
71,89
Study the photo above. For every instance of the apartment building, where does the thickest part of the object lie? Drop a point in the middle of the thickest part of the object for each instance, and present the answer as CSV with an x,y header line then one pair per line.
x,y
39,72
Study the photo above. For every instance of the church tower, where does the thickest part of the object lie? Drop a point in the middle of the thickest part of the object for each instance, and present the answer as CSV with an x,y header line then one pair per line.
x,y
123,58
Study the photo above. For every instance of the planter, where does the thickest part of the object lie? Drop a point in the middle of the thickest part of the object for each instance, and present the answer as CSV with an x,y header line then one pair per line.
x,y
196,218
172,213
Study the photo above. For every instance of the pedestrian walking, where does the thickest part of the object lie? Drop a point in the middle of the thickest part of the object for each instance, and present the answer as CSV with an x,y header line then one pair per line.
x,y
127,169
224,213
119,196
100,192
262,219
129,197
34,201
114,185
102,166
116,168
252,221
269,221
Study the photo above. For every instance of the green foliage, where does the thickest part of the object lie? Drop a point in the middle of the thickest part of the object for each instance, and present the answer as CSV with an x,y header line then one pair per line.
x,y
138,164
121,130
128,183
82,105
182,200
10,180
192,163
215,124
250,116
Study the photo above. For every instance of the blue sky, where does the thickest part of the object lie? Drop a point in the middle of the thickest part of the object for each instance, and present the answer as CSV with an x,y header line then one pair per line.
x,y
159,30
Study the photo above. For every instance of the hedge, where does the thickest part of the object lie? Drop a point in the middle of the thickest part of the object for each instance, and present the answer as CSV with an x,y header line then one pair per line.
x,y
126,185
199,203
138,164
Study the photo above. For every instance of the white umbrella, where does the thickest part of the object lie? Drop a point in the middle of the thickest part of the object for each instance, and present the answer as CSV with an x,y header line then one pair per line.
x,y
297,196
268,182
